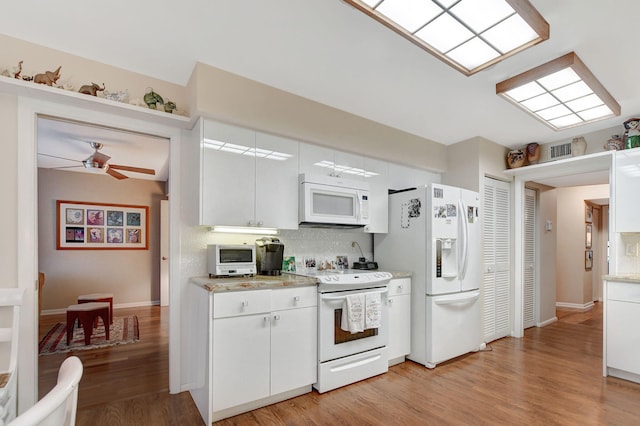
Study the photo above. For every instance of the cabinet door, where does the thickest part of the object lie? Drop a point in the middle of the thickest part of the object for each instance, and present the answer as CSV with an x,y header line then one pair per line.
x,y
276,182
316,160
349,166
294,353
623,340
240,360
377,175
401,177
627,182
399,318
228,184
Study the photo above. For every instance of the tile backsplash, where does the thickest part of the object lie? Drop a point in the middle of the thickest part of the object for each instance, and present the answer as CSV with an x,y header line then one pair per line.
x,y
628,253
322,245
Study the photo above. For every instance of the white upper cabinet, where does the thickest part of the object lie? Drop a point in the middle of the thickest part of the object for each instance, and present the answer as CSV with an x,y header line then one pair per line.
x,y
627,182
277,181
248,178
316,160
402,177
229,176
377,172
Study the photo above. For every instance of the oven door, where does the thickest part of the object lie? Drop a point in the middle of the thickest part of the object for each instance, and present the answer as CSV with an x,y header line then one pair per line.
x,y
334,342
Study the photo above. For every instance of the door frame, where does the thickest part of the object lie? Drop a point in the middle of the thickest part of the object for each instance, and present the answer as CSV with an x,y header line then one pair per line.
x,y
27,226
574,166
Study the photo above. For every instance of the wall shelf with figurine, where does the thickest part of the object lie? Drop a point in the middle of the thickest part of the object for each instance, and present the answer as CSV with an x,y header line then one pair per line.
x,y
587,163
18,87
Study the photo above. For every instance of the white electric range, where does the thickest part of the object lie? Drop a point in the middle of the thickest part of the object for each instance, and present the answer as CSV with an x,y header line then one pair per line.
x,y
345,357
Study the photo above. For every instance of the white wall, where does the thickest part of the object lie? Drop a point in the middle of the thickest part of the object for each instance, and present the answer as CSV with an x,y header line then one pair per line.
x,y
548,207
131,275
574,283
9,191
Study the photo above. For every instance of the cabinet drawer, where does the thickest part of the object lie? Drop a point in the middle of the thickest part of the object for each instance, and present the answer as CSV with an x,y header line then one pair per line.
x,y
625,292
297,297
399,286
238,303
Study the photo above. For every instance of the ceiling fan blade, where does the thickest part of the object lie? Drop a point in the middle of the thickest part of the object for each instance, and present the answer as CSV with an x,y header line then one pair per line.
x,y
115,174
133,169
60,158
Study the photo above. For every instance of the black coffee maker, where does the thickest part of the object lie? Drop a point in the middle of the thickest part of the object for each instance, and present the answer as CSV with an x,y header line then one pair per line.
x,y
269,251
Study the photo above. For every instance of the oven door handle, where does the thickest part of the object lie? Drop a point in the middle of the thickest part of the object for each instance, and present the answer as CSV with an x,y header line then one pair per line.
x,y
323,297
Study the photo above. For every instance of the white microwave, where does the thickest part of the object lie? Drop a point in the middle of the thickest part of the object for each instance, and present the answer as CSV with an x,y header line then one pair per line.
x,y
231,259
328,201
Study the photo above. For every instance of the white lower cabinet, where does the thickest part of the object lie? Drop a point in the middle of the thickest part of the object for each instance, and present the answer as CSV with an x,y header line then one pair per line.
x,y
264,348
622,340
399,301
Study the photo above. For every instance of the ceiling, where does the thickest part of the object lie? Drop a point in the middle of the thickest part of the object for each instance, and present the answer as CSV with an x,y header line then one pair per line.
x,y
327,51
69,142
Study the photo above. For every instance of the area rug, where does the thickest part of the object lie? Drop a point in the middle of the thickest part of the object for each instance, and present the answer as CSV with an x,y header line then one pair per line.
x,y
123,330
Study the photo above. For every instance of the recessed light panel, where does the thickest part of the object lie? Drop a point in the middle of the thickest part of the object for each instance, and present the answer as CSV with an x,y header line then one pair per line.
x,y
561,93
469,35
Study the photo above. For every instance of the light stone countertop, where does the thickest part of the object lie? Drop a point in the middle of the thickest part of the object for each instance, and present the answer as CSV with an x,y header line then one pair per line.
x,y
625,278
258,282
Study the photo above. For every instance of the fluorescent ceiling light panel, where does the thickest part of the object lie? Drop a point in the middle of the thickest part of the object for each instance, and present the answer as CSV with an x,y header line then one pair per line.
x,y
561,93
469,35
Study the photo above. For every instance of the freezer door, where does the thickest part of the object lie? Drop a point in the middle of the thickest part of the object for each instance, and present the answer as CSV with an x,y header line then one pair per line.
x,y
452,326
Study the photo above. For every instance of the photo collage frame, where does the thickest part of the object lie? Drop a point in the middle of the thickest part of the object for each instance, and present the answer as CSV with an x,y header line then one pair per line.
x,y
86,226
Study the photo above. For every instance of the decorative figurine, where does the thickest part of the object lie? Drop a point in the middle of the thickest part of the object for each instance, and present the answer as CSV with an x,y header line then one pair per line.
x,y
632,135
614,144
516,158
151,98
170,106
15,71
533,152
48,78
91,90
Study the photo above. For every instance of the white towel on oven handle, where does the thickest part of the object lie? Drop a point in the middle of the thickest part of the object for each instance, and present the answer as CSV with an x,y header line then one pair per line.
x,y
373,310
353,313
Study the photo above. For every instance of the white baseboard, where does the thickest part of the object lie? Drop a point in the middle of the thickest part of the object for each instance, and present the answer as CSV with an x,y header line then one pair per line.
x,y
584,307
547,322
117,306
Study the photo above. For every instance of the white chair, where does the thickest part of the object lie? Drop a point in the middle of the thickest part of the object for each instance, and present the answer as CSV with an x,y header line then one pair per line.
x,y
59,406
10,301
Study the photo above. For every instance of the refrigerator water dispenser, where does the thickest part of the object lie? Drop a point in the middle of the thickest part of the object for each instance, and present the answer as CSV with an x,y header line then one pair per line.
x,y
446,258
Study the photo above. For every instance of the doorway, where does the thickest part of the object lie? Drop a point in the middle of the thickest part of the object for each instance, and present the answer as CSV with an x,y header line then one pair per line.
x,y
113,117
99,264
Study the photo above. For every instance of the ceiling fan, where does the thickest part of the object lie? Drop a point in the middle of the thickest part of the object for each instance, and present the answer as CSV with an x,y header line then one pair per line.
x,y
98,162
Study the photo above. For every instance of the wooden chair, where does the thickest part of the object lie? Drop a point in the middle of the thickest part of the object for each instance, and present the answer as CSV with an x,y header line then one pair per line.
x,y
10,298
60,405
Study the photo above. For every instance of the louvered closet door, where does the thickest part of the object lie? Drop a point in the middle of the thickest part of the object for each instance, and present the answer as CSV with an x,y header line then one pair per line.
x,y
496,257
529,253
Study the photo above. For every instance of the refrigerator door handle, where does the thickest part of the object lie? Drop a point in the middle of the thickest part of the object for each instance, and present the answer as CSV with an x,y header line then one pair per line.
x,y
462,270
457,299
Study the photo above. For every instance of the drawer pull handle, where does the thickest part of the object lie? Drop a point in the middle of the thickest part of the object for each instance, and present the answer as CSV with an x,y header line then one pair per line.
x,y
296,298
400,287
276,317
245,303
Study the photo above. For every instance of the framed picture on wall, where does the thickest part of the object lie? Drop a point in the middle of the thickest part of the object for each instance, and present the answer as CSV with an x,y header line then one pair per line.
x,y
588,259
95,226
588,213
587,243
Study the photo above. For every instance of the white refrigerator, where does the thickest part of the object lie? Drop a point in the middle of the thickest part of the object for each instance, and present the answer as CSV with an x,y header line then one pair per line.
x,y
434,233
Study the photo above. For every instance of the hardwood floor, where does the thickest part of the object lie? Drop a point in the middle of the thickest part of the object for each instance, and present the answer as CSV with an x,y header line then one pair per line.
x,y
551,376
